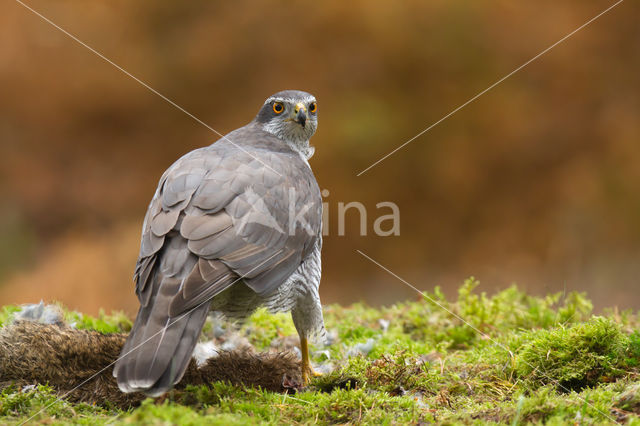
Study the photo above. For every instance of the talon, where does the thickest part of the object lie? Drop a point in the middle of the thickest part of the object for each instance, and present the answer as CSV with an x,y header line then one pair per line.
x,y
308,374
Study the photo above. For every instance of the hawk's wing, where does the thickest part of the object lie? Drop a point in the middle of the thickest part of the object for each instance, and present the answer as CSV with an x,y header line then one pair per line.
x,y
255,217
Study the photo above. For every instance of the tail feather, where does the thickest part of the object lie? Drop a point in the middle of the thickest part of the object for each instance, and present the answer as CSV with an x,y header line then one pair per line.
x,y
155,365
159,347
159,336
180,360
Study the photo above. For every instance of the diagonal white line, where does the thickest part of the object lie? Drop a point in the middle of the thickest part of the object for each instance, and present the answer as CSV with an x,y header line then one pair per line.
x,y
501,345
142,83
490,87
178,318
432,300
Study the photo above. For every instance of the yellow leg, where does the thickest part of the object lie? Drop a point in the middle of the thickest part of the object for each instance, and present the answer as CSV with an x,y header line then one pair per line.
x,y
307,370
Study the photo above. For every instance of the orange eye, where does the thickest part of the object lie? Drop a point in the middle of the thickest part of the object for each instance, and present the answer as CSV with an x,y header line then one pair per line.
x,y
278,107
313,107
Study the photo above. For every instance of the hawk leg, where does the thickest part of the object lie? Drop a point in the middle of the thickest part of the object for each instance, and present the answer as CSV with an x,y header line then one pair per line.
x,y
307,369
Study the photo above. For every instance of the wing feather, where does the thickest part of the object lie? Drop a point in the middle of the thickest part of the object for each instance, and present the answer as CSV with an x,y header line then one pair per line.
x,y
205,280
199,227
164,221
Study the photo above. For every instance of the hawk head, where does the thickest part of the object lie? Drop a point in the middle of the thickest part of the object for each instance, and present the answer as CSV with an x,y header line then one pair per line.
x,y
290,115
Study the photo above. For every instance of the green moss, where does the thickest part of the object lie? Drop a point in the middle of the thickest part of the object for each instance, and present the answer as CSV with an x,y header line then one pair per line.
x,y
629,399
6,313
117,322
633,350
263,327
168,412
574,357
507,358
40,403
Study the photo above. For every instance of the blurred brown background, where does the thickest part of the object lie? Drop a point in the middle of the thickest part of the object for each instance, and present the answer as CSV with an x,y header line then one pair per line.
x,y
537,182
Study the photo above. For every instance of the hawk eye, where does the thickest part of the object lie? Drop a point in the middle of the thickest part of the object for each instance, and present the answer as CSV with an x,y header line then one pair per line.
x,y
278,107
313,107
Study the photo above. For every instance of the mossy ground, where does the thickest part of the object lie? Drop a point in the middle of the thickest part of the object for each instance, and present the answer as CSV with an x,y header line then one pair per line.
x,y
514,359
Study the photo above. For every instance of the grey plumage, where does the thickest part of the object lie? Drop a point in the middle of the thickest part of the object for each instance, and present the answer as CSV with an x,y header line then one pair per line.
x,y
231,227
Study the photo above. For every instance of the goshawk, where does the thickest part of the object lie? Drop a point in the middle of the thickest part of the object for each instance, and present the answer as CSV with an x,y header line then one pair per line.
x,y
231,227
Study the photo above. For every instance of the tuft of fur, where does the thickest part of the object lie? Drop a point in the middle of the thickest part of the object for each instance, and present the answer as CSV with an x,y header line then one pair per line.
x,y
65,358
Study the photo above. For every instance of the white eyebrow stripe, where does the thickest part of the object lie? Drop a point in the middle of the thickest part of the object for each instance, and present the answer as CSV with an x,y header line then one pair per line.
x,y
291,100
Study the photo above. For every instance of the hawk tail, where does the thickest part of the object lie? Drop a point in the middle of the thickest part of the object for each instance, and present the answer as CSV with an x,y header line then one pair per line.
x,y
159,347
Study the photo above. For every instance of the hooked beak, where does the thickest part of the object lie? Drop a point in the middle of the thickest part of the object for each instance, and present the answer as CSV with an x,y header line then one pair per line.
x,y
300,114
